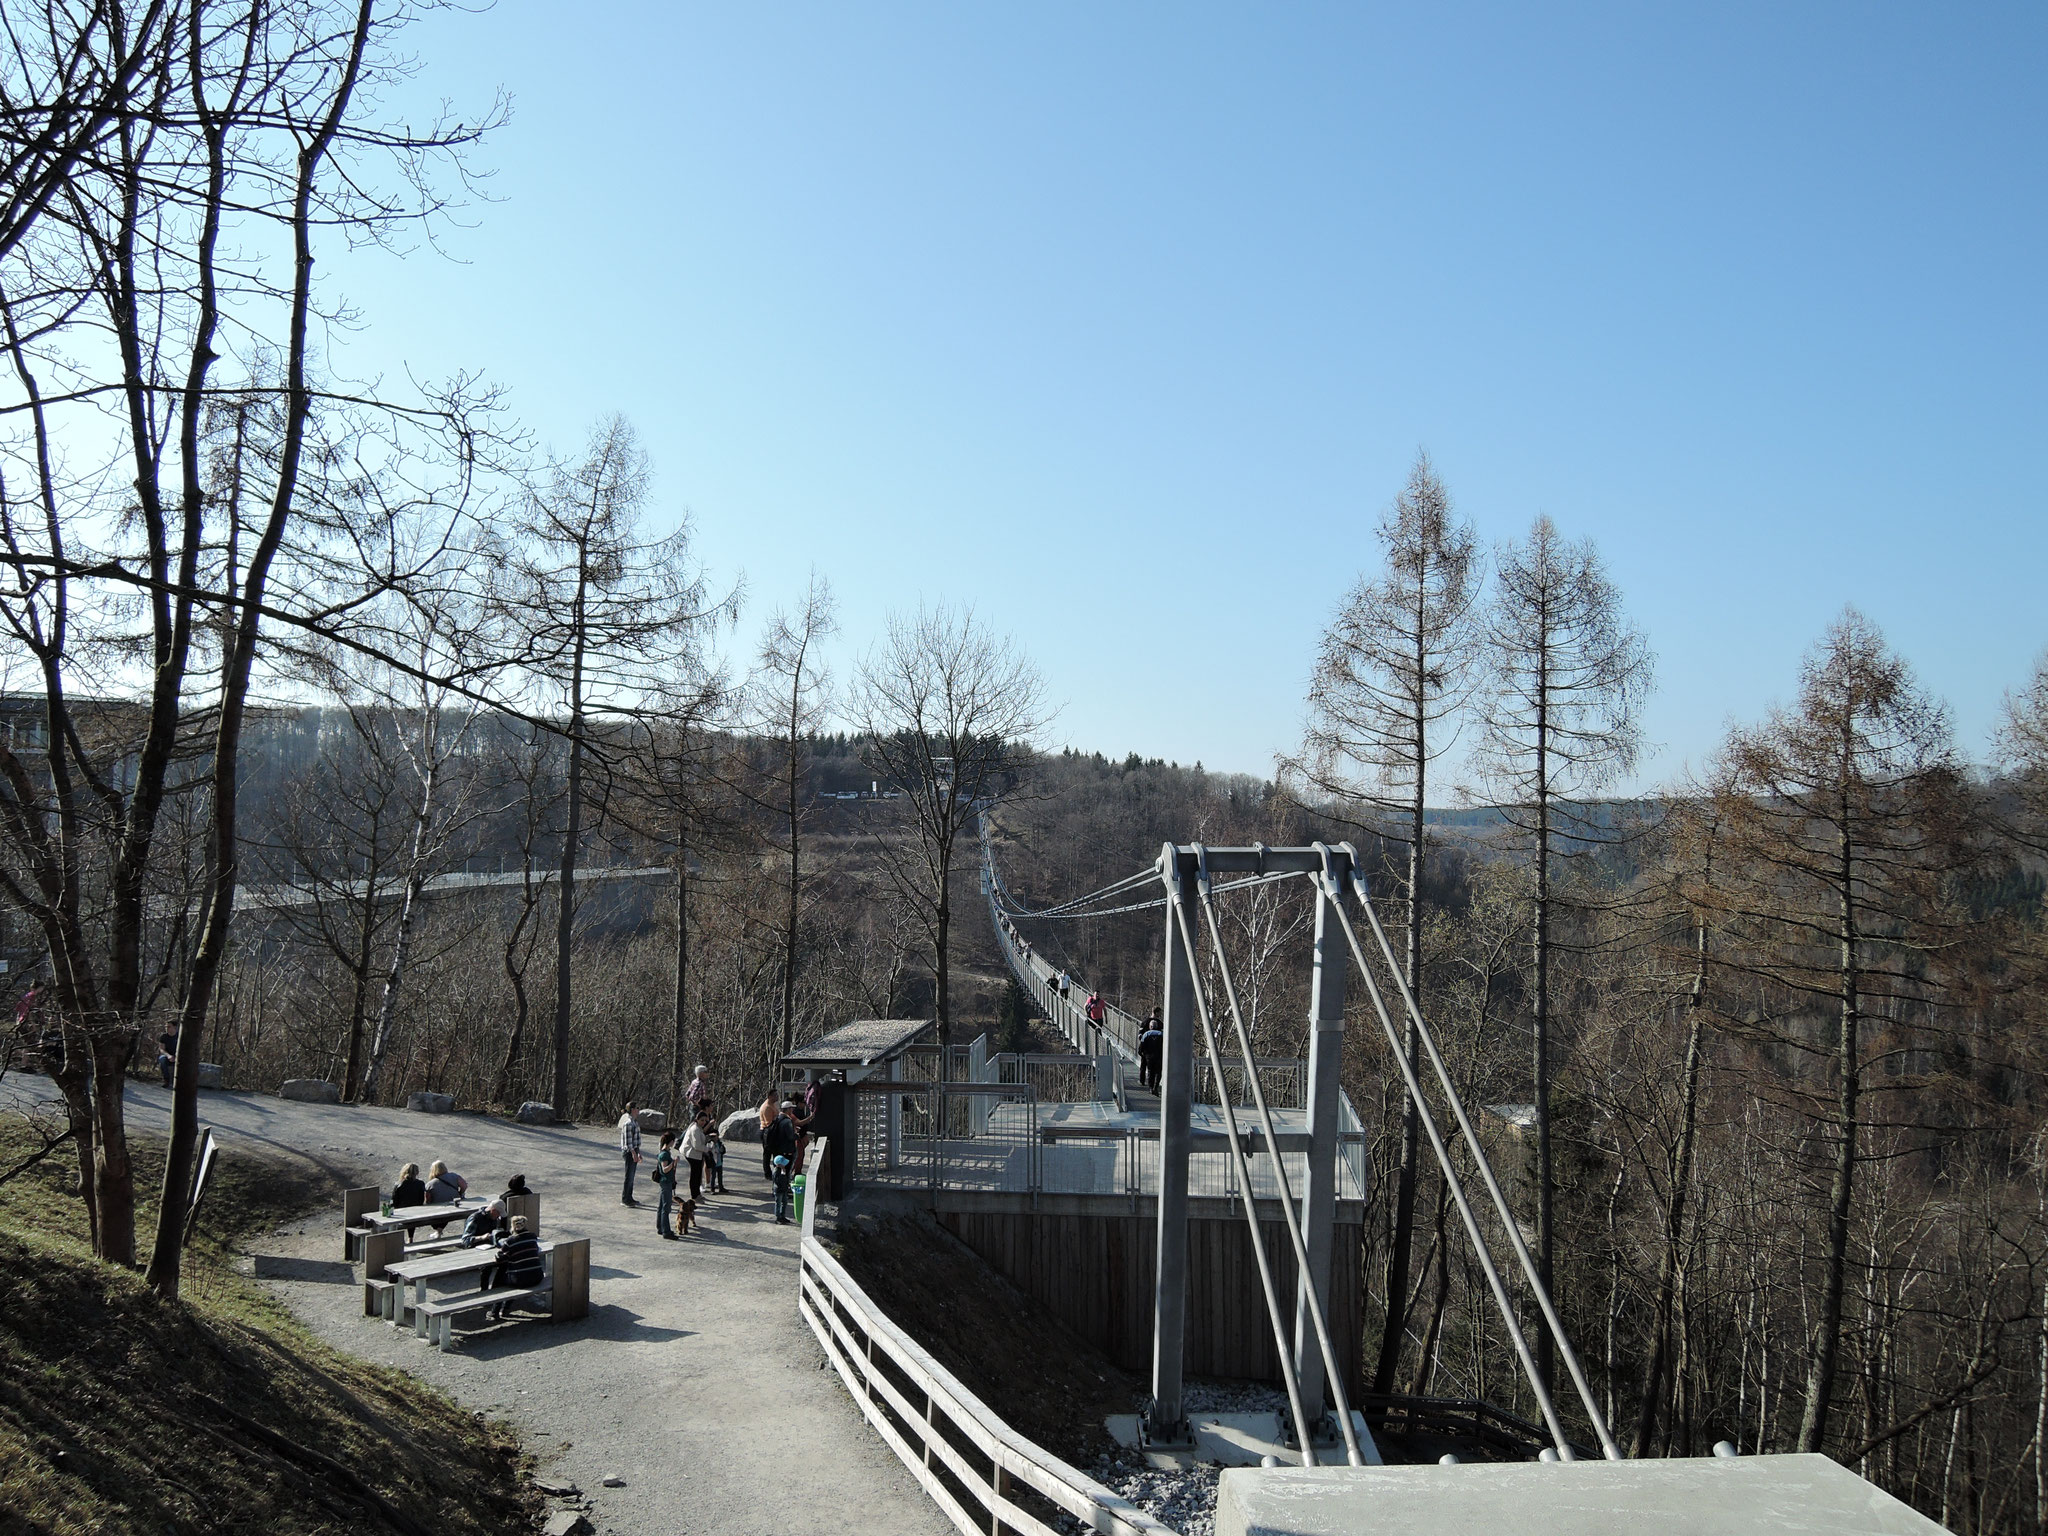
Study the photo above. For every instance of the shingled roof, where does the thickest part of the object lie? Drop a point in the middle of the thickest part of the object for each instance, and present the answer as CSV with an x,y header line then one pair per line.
x,y
862,1043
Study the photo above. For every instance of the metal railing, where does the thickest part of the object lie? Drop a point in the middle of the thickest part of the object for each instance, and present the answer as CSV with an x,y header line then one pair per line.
x,y
991,1137
974,1466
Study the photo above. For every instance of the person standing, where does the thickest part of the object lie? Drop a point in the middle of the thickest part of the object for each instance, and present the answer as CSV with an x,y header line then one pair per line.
x,y
629,1150
714,1161
698,1094
665,1181
697,1148
1151,1040
778,1149
167,1052
768,1113
784,1175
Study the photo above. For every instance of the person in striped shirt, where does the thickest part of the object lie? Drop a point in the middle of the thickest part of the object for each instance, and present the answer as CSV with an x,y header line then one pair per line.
x,y
519,1263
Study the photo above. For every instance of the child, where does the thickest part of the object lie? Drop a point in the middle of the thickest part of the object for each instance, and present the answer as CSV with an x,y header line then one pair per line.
x,y
784,1171
665,1178
716,1167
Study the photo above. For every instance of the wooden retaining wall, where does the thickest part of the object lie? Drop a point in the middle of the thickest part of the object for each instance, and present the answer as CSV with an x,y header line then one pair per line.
x,y
1094,1272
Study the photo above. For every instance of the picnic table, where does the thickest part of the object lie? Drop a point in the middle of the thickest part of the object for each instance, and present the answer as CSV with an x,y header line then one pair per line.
x,y
406,1217
415,1274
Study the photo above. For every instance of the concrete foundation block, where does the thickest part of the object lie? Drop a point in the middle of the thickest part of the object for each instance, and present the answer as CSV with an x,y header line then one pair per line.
x,y
1698,1496
432,1103
311,1090
533,1112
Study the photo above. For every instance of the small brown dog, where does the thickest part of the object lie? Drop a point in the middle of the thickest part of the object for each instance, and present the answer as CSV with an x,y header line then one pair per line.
x,y
686,1217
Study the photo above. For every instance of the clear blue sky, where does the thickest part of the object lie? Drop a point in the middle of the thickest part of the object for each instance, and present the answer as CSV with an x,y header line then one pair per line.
x,y
1123,322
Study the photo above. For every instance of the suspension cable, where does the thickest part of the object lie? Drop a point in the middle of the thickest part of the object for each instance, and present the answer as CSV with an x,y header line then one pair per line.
x,y
1334,1376
1542,1292
1251,1204
1457,1188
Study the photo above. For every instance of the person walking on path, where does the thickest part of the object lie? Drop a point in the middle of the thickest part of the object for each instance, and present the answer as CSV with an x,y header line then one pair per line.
x,y
665,1181
629,1150
1098,1012
1151,1039
696,1149
779,1141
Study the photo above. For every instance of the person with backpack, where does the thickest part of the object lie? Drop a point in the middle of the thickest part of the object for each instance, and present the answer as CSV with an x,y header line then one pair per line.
x,y
665,1181
1151,1041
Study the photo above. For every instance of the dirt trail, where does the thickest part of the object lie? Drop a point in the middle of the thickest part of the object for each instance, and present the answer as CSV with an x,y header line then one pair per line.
x,y
693,1378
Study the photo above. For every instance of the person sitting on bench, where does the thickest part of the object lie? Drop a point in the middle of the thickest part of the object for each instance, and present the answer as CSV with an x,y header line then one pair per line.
x,y
486,1225
409,1190
519,1263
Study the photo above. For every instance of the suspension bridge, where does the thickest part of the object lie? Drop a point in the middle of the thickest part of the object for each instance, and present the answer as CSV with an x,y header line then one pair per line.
x,y
1131,1213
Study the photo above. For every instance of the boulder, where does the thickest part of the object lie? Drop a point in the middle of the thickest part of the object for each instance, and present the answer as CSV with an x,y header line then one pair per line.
x,y
651,1120
533,1112
741,1125
209,1074
311,1090
432,1103
566,1522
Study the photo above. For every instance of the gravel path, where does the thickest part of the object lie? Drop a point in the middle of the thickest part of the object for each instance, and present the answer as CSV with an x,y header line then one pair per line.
x,y
693,1378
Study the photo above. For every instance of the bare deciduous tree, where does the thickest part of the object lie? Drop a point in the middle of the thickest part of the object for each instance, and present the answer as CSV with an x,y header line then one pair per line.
x,y
796,690
1564,678
1842,819
1393,671
945,710
609,612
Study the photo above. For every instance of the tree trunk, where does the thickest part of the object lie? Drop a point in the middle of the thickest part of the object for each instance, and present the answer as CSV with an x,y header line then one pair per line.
x,y
678,1071
796,678
1674,1220
565,915
1820,1378
1540,944
1402,1240
942,933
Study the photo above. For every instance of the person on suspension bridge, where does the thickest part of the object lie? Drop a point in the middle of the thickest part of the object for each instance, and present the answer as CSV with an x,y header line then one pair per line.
x,y
1098,1012
1151,1041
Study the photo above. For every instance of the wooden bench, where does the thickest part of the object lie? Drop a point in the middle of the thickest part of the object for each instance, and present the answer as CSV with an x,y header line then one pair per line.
x,y
566,1289
435,1320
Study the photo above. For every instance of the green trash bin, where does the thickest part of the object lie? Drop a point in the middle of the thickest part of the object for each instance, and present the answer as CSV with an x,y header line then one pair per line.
x,y
797,1188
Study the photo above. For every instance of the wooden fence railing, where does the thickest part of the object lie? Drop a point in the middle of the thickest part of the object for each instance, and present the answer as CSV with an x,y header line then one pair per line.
x,y
975,1467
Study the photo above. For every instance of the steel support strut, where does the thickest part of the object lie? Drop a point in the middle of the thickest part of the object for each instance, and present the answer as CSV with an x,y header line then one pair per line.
x,y
1319,1188
1167,1422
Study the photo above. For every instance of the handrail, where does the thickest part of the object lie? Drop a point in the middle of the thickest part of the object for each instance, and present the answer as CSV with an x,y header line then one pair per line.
x,y
927,1437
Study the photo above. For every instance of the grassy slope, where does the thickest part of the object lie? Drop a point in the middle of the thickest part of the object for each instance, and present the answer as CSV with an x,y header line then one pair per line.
x,y
222,1413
